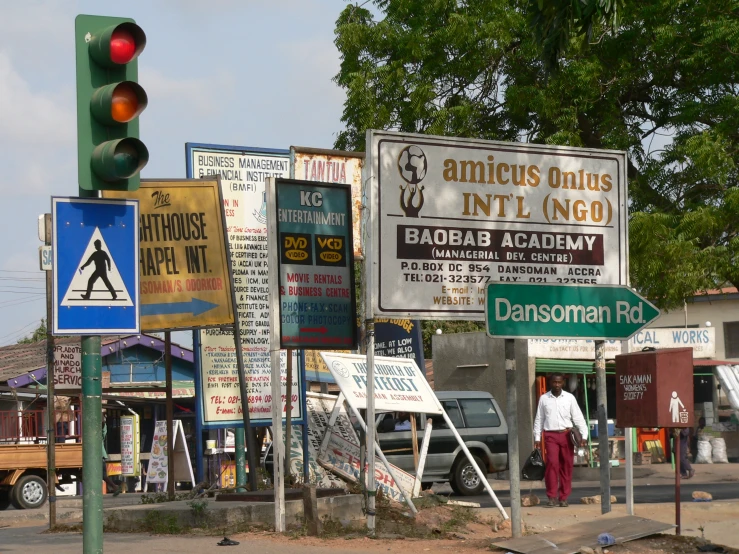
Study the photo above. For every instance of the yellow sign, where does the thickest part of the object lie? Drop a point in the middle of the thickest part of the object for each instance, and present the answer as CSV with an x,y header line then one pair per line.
x,y
185,281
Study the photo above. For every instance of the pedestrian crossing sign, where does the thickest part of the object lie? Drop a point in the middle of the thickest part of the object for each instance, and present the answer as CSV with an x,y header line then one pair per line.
x,y
96,266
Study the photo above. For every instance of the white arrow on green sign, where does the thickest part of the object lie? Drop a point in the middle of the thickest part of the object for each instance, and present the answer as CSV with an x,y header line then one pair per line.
x,y
598,312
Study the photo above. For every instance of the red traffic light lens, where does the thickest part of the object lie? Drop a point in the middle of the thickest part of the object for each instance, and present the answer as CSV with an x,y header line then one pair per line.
x,y
122,46
124,105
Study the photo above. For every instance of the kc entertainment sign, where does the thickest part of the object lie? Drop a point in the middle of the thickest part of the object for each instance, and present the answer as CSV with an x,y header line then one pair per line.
x,y
450,215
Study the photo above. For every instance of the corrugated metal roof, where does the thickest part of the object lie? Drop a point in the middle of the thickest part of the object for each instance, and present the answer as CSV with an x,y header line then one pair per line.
x,y
20,359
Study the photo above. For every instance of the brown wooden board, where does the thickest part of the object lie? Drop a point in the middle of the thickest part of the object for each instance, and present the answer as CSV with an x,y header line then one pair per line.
x,y
655,388
569,540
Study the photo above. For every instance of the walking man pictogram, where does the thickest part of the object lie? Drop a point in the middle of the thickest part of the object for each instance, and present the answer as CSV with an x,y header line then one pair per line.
x,y
102,266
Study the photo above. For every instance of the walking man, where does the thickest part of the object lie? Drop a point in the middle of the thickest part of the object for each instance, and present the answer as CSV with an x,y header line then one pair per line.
x,y
102,265
557,414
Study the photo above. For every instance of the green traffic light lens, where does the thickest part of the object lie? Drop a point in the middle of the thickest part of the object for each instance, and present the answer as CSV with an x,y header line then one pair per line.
x,y
118,160
125,160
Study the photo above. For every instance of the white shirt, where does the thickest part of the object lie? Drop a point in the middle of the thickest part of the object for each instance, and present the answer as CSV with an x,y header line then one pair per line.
x,y
557,413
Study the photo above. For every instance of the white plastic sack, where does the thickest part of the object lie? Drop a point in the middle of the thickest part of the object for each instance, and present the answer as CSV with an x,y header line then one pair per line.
x,y
704,452
719,451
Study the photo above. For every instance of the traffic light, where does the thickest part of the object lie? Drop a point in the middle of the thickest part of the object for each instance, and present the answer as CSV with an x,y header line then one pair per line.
x,y
109,102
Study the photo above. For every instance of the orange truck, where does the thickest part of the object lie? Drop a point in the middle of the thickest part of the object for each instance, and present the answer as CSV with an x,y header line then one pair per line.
x,y
23,459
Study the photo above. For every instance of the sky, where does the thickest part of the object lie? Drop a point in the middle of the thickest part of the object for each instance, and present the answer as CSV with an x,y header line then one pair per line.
x,y
235,72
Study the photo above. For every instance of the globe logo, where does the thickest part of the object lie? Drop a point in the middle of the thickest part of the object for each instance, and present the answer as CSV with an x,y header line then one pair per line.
x,y
340,368
412,164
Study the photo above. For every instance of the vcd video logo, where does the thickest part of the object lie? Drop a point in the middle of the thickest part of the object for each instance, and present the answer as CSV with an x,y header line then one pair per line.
x,y
330,250
295,248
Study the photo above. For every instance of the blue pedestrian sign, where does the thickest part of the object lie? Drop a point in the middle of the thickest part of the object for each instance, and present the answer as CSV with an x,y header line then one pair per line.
x,y
96,266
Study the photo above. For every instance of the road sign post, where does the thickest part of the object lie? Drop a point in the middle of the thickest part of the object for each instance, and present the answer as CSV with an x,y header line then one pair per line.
x,y
598,312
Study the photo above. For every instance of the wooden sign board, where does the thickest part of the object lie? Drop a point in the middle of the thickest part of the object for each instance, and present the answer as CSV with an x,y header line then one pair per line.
x,y
655,388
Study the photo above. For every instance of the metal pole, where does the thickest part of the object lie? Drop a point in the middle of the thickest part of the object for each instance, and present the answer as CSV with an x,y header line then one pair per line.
x,y
371,482
629,440
240,459
513,455
603,454
199,473
50,400
170,414
278,452
288,413
92,446
676,450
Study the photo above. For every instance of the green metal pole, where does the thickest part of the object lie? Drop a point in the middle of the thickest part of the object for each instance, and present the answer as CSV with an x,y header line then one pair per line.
x,y
587,419
92,446
240,459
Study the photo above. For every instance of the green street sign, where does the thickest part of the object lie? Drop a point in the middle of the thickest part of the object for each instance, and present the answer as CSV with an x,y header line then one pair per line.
x,y
598,312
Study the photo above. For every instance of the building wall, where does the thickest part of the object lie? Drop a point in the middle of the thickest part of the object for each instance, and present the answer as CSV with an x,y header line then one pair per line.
x,y
468,349
142,364
716,311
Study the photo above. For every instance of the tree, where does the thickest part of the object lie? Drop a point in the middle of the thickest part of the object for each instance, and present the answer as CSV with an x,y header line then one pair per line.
x,y
662,85
38,335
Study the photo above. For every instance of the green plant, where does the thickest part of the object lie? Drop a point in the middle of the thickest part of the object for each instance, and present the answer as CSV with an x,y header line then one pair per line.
x,y
161,523
199,509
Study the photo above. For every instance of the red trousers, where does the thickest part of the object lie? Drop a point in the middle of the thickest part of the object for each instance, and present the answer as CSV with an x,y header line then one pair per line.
x,y
560,459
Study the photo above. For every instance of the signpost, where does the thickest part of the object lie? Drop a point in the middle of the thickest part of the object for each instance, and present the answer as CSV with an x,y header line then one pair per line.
x,y
96,266
185,279
242,171
525,310
447,216
315,265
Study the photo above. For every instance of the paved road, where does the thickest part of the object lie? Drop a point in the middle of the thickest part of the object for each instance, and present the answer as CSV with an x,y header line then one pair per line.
x,y
643,494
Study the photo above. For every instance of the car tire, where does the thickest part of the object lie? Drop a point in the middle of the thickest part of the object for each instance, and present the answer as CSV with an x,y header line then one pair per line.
x,y
465,480
29,492
4,499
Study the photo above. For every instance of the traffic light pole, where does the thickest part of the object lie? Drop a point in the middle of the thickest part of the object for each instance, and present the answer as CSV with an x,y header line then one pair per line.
x,y
92,446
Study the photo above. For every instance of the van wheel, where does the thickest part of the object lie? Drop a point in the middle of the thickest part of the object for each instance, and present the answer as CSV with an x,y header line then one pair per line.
x,y
4,499
29,492
465,480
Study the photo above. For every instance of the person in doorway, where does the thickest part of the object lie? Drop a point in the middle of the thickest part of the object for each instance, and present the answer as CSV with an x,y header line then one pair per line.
x,y
556,416
686,470
403,423
108,481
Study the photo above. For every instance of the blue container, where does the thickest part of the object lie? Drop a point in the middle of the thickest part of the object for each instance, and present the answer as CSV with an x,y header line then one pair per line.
x,y
594,429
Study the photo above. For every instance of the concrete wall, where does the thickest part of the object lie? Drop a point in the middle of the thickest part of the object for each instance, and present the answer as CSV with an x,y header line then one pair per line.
x,y
714,309
466,349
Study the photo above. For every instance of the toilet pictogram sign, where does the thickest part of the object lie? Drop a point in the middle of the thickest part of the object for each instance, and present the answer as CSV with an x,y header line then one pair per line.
x,y
96,266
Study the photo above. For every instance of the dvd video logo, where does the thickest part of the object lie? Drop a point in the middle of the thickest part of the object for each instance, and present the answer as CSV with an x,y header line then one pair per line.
x,y
296,249
330,250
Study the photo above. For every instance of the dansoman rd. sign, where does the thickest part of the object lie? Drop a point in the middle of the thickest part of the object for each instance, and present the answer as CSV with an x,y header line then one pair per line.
x,y
527,310
450,215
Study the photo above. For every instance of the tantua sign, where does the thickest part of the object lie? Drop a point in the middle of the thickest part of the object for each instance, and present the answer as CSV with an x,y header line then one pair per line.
x,y
450,215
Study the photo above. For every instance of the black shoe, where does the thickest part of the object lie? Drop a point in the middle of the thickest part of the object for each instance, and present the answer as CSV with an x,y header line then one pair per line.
x,y
563,504
227,542
550,503
85,297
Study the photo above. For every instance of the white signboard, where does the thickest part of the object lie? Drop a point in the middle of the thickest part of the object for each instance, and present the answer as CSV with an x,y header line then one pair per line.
x,y
161,464
334,166
243,173
702,340
342,453
399,384
450,215
67,366
130,445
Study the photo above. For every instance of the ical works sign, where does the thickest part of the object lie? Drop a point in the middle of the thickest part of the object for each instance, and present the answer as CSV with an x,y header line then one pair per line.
x,y
450,215
184,267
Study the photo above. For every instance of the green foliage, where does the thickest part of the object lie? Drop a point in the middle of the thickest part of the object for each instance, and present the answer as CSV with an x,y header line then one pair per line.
x,y
161,523
657,79
38,335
